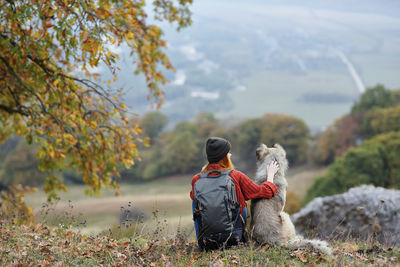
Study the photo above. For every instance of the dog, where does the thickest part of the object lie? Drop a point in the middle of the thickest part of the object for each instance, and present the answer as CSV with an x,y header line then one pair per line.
x,y
269,223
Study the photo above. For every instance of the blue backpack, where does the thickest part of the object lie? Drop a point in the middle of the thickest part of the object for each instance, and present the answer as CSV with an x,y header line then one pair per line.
x,y
217,211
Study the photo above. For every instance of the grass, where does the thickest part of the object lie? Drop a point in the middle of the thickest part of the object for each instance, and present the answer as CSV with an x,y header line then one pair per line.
x,y
166,238
44,246
169,197
301,178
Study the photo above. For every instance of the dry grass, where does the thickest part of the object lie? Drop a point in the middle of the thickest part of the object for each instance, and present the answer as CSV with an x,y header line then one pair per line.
x,y
301,178
159,241
39,245
169,197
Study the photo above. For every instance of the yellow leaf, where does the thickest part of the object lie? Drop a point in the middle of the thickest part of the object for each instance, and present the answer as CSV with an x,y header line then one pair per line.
x,y
129,35
129,161
93,124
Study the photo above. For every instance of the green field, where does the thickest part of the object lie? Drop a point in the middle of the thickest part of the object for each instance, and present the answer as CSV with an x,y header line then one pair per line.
x,y
277,92
168,197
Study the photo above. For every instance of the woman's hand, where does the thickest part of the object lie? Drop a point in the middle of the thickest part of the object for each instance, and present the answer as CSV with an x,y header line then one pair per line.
x,y
272,168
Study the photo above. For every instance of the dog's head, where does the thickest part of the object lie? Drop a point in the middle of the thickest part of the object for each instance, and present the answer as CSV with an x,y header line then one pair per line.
x,y
265,155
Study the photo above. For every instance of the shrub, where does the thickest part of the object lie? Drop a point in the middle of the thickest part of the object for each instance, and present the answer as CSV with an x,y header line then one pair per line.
x,y
381,121
374,98
375,113
376,162
338,138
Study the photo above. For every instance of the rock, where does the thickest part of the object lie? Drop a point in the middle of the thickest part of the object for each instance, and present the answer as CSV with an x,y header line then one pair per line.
x,y
365,212
129,215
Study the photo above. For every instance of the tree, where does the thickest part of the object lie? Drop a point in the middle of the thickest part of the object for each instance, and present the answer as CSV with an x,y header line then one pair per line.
x,y
180,150
381,121
153,123
78,121
8,146
375,162
338,138
21,167
373,98
245,138
374,113
292,133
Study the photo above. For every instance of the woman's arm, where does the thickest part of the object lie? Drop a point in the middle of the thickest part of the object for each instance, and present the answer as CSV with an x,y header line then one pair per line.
x,y
252,190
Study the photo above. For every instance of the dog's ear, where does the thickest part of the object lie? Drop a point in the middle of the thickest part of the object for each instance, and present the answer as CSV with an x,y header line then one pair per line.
x,y
261,151
281,151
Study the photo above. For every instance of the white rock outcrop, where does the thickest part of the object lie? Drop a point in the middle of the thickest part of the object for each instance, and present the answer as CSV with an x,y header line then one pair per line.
x,y
366,212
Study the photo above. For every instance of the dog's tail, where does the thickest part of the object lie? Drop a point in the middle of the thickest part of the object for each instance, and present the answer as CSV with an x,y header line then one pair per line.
x,y
299,242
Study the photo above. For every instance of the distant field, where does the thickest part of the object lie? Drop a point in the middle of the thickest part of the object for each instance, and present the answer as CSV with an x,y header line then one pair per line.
x,y
170,197
277,92
301,178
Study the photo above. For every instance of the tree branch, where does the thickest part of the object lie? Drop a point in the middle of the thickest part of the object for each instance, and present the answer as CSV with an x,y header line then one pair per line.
x,y
11,110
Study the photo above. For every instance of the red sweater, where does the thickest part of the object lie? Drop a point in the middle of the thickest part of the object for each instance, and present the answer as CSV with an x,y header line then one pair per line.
x,y
245,188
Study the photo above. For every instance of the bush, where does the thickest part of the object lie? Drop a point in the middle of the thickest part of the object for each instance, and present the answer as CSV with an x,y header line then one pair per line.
x,y
375,98
375,113
374,162
381,121
338,138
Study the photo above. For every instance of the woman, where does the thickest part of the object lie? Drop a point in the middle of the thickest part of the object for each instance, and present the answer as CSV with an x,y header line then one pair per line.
x,y
219,164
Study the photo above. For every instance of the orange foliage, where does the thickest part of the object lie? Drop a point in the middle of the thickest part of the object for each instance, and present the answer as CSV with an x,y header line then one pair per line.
x,y
293,202
12,205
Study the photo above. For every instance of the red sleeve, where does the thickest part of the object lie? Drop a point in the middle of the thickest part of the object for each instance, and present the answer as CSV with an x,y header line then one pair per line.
x,y
194,179
252,190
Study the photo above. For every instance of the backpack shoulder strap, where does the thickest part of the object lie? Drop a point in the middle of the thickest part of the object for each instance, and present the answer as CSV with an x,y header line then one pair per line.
x,y
207,174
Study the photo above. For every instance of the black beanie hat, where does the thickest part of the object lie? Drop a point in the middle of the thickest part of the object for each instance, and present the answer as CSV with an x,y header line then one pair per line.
x,y
217,148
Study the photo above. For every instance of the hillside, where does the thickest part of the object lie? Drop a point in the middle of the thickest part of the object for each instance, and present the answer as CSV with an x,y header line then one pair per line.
x,y
43,246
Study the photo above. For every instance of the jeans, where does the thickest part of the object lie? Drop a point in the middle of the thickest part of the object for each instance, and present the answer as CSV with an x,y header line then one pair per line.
x,y
196,225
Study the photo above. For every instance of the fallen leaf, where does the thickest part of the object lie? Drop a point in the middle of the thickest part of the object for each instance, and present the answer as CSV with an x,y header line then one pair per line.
x,y
265,247
125,244
300,255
